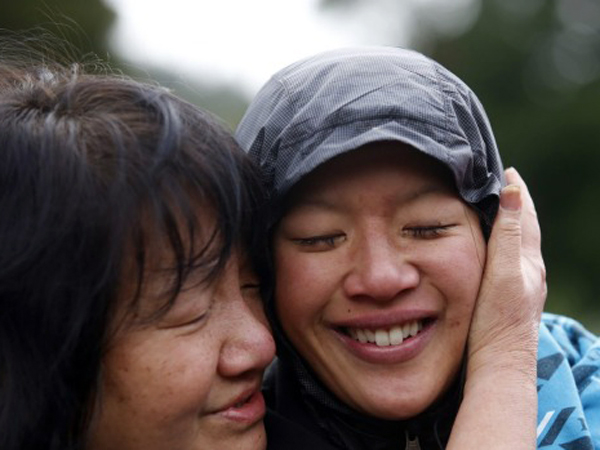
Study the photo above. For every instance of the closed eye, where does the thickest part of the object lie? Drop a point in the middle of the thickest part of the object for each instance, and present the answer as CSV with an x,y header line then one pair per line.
x,y
250,289
428,232
194,320
185,322
320,243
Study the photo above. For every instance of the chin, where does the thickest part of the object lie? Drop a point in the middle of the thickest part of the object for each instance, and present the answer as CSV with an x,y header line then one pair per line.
x,y
402,409
253,439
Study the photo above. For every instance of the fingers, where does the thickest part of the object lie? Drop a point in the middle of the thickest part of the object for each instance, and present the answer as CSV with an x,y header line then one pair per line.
x,y
531,234
531,238
514,249
504,246
513,288
510,198
513,178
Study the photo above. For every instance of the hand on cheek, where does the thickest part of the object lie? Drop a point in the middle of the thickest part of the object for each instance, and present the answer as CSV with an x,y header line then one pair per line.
x,y
513,290
499,407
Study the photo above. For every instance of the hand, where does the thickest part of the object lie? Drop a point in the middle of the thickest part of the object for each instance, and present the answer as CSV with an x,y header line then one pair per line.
x,y
513,290
499,407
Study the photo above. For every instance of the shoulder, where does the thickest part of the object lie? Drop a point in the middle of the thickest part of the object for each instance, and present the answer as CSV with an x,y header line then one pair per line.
x,y
568,385
569,337
289,425
285,434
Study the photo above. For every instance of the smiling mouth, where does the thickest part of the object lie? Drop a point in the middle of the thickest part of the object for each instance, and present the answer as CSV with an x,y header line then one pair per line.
x,y
385,337
247,410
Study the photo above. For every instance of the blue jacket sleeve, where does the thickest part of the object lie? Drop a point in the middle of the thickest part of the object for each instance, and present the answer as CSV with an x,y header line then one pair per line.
x,y
568,386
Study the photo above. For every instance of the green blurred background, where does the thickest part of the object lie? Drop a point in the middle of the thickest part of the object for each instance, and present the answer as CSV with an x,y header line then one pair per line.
x,y
535,65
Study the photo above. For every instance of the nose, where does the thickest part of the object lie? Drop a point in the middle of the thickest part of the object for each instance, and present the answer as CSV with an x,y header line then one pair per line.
x,y
249,346
379,270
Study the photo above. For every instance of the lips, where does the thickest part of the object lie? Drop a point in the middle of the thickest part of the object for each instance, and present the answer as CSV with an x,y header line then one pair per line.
x,y
248,407
391,338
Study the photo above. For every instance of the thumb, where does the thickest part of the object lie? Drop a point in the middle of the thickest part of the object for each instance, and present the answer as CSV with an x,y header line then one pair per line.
x,y
504,246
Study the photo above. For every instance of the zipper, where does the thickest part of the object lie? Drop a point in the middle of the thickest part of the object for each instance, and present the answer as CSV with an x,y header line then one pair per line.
x,y
411,444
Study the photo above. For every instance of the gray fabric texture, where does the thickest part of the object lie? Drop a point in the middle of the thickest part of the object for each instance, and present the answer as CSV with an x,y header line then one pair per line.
x,y
337,101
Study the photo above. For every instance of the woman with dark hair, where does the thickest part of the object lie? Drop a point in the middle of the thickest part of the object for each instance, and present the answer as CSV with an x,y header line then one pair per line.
x,y
409,281
130,236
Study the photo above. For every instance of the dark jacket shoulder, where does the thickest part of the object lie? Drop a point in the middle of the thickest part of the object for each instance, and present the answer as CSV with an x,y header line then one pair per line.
x,y
289,426
284,434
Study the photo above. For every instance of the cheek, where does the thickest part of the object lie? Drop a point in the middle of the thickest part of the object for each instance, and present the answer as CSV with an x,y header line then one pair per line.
x,y
461,271
303,287
148,377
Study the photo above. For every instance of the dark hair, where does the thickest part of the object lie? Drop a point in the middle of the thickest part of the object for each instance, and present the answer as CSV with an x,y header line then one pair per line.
x,y
91,167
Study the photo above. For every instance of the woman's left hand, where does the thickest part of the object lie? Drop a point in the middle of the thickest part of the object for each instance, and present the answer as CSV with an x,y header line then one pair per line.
x,y
499,407
513,289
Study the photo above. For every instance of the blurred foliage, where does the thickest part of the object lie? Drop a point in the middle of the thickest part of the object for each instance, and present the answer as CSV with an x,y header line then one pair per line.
x,y
85,25
535,65
227,102
537,71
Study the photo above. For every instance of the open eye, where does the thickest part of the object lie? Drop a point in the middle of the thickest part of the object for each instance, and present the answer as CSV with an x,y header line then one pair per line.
x,y
427,232
320,243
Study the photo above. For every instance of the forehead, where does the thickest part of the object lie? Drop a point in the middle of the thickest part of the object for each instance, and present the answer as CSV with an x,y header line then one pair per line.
x,y
164,249
377,165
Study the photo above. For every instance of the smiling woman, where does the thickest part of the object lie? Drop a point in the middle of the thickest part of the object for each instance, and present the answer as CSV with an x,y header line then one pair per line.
x,y
130,240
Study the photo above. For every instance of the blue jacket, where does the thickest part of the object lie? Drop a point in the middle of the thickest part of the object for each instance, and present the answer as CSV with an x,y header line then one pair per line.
x,y
568,386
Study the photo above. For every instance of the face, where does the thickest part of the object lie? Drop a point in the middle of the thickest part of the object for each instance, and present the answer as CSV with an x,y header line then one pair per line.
x,y
378,267
190,380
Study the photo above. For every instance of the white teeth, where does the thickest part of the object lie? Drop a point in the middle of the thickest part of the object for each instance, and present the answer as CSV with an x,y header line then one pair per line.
x,y
370,335
361,336
414,328
386,337
396,336
382,338
406,329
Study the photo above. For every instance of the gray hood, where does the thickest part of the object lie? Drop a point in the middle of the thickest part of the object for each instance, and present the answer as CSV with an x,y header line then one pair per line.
x,y
337,101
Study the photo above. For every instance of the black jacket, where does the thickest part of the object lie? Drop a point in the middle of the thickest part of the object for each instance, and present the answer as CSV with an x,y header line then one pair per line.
x,y
303,415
